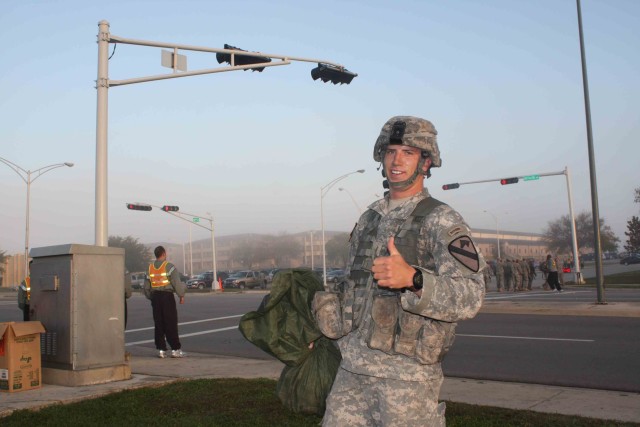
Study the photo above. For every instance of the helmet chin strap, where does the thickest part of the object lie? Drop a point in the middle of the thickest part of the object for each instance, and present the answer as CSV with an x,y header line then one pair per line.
x,y
407,182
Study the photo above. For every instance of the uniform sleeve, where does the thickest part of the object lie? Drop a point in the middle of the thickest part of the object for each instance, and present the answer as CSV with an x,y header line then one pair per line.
x,y
454,289
177,283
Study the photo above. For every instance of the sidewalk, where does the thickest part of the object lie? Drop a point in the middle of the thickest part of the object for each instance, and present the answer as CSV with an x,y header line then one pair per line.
x,y
148,370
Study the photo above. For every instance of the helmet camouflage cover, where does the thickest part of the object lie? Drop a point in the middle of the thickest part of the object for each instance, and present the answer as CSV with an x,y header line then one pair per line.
x,y
410,131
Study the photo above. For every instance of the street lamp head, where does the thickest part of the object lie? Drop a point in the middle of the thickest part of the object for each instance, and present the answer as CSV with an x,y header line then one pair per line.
x,y
69,164
360,171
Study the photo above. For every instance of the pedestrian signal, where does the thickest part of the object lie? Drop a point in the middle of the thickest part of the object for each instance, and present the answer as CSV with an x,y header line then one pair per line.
x,y
506,181
241,59
451,186
138,207
333,74
170,208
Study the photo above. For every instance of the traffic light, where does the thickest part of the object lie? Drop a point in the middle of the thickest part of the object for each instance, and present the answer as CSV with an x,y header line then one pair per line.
x,y
138,207
241,59
506,181
451,186
333,74
170,208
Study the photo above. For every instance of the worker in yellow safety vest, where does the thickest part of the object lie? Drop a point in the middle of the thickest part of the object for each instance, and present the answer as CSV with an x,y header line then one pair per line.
x,y
162,281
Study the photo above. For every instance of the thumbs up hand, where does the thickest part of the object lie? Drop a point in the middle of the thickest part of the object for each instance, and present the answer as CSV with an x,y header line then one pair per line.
x,y
392,271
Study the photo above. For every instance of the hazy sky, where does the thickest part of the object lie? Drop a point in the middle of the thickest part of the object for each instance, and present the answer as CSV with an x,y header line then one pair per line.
x,y
500,79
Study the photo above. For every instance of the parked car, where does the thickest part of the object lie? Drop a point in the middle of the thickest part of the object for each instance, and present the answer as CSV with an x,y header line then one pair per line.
x,y
197,282
335,276
245,279
631,259
137,280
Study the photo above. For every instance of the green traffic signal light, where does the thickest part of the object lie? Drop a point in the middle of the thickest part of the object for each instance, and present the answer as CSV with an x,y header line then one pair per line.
x,y
333,74
241,59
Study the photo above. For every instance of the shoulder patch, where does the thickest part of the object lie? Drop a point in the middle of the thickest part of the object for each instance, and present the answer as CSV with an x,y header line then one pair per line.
x,y
463,250
453,231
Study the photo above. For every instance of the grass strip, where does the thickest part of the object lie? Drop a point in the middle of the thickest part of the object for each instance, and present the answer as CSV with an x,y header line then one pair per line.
x,y
243,402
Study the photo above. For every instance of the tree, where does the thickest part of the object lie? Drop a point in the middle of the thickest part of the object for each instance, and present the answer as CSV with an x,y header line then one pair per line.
x,y
558,234
136,255
633,235
338,249
3,259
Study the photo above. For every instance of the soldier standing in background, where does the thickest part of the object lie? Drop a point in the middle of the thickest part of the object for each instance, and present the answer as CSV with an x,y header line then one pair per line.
x,y
532,274
517,275
486,273
525,275
499,274
508,275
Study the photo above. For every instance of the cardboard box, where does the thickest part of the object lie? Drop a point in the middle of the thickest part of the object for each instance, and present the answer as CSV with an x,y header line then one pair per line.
x,y
20,361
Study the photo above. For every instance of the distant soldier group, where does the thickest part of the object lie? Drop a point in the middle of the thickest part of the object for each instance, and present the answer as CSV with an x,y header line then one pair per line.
x,y
511,274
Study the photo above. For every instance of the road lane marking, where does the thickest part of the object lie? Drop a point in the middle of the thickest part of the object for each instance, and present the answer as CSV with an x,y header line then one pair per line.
x,y
524,338
528,294
188,323
186,335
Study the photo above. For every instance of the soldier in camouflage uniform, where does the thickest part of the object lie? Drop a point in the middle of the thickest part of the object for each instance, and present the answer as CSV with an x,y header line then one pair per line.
x,y
532,273
499,274
517,276
414,272
525,275
486,273
508,275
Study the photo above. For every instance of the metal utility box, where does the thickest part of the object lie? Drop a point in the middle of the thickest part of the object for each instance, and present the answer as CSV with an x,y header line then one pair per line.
x,y
77,292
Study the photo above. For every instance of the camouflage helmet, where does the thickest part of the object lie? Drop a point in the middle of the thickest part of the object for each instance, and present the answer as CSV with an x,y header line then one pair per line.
x,y
410,131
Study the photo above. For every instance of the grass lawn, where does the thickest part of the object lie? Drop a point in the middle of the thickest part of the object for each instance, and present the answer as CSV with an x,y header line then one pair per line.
x,y
629,279
241,402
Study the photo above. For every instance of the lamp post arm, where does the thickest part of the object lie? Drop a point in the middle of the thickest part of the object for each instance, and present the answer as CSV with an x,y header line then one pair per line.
x,y
45,169
17,169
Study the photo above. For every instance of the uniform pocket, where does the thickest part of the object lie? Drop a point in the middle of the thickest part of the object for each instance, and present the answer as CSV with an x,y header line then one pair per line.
x,y
328,313
436,338
384,314
409,327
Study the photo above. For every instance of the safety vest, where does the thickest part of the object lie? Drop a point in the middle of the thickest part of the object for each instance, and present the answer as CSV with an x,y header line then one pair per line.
x,y
158,276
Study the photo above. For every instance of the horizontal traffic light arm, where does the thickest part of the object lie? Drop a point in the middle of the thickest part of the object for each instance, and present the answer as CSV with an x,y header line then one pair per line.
x,y
504,181
172,210
234,53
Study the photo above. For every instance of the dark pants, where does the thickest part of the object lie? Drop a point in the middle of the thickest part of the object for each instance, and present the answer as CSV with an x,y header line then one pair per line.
x,y
553,280
25,313
165,319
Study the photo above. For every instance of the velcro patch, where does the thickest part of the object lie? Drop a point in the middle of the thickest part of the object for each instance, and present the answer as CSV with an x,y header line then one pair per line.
x,y
463,250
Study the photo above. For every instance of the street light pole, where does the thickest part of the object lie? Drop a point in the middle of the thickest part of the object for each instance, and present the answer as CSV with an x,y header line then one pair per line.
x,y
26,176
323,191
497,231
595,210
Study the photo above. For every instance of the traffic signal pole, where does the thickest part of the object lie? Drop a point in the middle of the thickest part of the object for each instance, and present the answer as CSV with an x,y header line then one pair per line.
x,y
533,177
326,71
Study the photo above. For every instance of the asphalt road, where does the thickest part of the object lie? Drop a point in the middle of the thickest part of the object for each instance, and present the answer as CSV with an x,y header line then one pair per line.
x,y
591,352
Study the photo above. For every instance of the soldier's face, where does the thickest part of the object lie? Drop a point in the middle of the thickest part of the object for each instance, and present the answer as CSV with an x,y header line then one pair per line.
x,y
400,163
